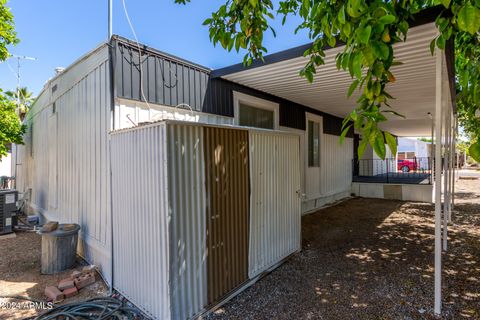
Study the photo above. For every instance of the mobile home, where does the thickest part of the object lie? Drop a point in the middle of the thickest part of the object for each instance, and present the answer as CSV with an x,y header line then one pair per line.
x,y
89,158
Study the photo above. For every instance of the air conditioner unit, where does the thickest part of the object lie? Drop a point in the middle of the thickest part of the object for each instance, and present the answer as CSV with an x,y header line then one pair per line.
x,y
8,207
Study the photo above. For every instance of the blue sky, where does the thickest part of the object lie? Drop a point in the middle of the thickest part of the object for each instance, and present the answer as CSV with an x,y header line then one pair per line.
x,y
58,32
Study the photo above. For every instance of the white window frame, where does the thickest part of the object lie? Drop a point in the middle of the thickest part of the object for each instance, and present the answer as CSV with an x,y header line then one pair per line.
x,y
255,102
319,119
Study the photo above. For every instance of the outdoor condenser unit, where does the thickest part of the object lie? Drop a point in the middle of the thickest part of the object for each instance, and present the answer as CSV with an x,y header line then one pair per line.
x,y
8,206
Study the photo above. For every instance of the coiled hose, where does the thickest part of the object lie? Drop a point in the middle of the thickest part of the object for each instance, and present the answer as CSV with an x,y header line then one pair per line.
x,y
102,308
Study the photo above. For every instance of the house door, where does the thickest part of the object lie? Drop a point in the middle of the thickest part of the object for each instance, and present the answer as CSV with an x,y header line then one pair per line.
x,y
313,134
227,188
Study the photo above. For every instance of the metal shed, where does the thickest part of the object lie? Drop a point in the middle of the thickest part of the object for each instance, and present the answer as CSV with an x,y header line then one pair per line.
x,y
200,211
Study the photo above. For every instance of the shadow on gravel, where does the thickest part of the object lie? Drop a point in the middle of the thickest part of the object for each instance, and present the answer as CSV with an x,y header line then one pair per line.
x,y
369,259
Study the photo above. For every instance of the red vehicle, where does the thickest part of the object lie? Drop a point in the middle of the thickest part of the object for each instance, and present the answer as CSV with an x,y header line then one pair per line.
x,y
406,165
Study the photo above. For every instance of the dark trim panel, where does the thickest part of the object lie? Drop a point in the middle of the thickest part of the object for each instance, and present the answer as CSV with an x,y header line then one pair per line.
x,y
171,82
220,101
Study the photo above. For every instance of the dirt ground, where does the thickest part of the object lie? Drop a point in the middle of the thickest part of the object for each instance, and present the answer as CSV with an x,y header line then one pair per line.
x,y
372,259
20,275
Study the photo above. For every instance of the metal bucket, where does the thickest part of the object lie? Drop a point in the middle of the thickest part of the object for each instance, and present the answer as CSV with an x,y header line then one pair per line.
x,y
59,249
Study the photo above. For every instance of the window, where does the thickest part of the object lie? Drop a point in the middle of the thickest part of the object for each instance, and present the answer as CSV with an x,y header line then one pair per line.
x,y
250,116
313,143
405,155
255,112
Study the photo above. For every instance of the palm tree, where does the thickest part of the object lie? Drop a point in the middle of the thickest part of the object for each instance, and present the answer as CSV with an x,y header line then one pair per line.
x,y
25,101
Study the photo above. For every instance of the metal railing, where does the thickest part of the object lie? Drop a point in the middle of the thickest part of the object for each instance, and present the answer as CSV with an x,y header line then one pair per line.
x,y
410,171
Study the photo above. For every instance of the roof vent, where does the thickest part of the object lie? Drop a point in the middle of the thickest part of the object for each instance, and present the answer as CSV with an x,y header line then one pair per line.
x,y
59,70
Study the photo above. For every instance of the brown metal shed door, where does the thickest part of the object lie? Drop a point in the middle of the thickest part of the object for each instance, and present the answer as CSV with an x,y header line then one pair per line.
x,y
226,165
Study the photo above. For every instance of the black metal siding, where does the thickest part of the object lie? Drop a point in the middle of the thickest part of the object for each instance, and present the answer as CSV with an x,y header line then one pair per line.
x,y
165,80
220,101
171,81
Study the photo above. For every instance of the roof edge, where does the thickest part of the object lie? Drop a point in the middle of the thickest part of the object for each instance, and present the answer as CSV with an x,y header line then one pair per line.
x,y
144,47
423,17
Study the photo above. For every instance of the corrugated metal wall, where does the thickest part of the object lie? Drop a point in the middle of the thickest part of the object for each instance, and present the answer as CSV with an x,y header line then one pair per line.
x,y
336,168
141,218
187,220
166,80
227,180
65,160
275,203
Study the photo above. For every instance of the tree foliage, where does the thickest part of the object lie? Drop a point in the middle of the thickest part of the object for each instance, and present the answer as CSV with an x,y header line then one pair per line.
x,y
23,98
8,36
369,30
11,130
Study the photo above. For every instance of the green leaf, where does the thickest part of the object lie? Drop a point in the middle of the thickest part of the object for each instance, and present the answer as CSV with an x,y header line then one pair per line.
x,y
432,46
355,8
347,29
357,65
341,15
207,21
474,151
363,34
469,18
403,27
387,19
361,148
352,87
381,50
446,3
391,142
377,142
441,42
344,133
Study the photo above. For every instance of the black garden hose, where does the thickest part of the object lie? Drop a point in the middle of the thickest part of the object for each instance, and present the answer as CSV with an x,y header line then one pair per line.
x,y
101,308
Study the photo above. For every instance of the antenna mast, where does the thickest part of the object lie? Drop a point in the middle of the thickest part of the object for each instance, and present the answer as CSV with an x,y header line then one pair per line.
x,y
18,57
110,27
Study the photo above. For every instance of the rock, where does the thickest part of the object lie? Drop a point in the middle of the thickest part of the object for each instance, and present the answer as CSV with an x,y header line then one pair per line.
x,y
50,226
89,269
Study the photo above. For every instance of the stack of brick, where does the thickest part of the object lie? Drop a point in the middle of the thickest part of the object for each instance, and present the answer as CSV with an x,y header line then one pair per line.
x,y
69,287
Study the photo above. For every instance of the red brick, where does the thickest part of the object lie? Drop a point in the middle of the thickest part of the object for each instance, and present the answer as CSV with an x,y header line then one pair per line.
x,y
84,280
65,284
70,292
75,274
53,294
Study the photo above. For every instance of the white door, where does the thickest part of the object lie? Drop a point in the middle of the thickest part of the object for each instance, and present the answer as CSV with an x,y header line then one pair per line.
x,y
313,134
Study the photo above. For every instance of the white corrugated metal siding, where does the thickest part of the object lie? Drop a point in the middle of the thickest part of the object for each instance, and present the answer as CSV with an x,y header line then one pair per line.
x,y
275,204
336,164
141,218
65,160
187,217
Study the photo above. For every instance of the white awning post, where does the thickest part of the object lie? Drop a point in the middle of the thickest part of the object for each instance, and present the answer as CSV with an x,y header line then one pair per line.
x,y
438,182
452,165
445,153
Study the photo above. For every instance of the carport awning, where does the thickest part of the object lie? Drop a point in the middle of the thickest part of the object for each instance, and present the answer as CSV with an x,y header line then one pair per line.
x,y
414,88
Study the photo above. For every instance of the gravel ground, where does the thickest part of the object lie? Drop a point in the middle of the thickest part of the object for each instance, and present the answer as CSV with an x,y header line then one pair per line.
x,y
372,259
20,275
